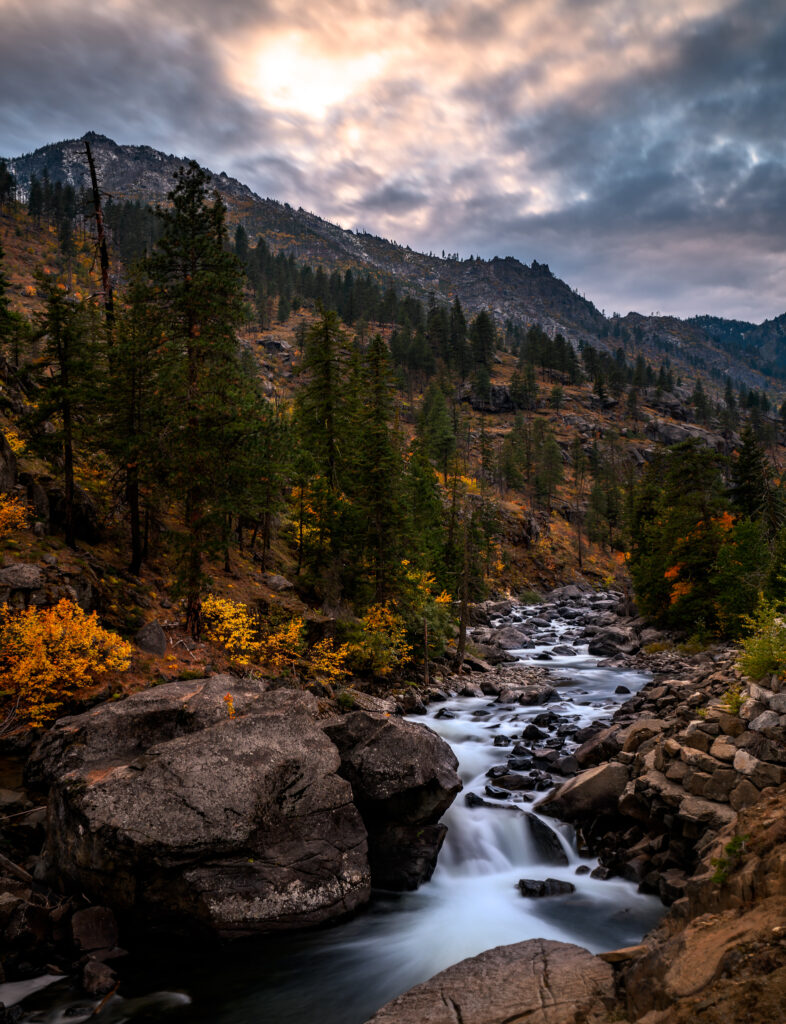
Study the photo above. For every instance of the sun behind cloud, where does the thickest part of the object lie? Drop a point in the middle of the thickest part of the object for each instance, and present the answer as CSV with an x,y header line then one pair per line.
x,y
287,72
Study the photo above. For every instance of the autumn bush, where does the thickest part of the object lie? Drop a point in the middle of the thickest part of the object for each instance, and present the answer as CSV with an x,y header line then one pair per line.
x,y
14,515
229,624
382,644
47,654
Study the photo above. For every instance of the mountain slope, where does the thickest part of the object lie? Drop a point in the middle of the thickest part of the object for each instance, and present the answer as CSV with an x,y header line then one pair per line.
x,y
749,354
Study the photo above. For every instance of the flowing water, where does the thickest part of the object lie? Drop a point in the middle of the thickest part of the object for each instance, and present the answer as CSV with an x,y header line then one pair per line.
x,y
343,974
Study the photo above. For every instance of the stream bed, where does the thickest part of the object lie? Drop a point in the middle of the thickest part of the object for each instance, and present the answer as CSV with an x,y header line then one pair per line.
x,y
343,974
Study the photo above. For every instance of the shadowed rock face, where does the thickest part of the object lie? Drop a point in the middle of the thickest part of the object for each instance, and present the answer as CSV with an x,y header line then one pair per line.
x,y
174,814
403,778
539,982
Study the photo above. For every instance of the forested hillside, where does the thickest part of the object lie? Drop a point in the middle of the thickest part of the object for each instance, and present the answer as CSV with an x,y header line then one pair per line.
x,y
317,473
510,290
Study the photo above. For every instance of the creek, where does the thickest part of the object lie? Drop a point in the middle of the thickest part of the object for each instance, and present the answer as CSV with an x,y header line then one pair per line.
x,y
341,975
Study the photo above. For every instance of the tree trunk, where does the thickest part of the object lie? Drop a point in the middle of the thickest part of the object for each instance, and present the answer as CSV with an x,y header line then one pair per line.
x,y
425,652
132,497
464,613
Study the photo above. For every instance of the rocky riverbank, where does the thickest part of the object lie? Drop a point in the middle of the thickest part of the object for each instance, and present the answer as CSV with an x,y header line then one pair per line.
x,y
166,812
683,793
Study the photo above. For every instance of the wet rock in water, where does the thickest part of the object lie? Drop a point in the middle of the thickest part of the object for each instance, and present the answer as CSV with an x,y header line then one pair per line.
x,y
622,689
444,713
496,771
546,841
502,741
532,732
98,978
543,656
473,800
537,981
520,764
514,782
403,779
534,888
564,651
602,872
175,815
582,869
496,793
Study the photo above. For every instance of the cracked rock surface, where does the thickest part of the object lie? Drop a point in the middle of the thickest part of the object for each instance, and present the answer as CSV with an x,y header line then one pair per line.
x,y
537,982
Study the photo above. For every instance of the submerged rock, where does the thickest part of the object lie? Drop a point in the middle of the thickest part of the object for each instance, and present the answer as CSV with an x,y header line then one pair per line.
x,y
536,888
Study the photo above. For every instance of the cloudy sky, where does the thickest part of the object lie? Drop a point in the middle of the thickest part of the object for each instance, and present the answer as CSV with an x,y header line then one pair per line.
x,y
637,146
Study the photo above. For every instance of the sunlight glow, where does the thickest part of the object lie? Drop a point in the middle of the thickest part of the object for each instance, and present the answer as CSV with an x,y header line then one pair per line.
x,y
291,76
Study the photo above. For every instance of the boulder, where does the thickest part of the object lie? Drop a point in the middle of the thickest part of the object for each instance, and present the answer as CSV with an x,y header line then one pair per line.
x,y
152,638
594,791
600,747
608,643
537,981
175,815
403,777
536,888
94,928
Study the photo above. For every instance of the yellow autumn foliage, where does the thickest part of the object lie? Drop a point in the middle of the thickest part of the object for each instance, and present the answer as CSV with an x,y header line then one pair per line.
x,y
328,660
229,624
46,654
283,647
13,515
384,641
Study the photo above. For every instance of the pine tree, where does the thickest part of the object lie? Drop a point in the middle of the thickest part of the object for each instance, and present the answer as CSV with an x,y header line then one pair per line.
x,y
379,482
435,428
197,295
484,339
69,377
35,199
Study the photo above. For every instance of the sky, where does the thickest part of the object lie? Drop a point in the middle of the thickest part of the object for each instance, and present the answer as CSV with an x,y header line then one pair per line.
x,y
636,146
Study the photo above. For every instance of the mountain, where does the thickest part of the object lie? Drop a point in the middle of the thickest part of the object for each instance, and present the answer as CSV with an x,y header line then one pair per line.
x,y
749,354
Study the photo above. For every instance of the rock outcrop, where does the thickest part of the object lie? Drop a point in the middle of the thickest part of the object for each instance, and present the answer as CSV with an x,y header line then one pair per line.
x,y
177,816
538,981
403,779
174,814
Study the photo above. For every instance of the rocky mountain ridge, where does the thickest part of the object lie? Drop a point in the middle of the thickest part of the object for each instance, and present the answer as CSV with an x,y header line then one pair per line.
x,y
509,288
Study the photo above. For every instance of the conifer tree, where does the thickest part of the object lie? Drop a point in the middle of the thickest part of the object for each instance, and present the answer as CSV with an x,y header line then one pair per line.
x,y
69,377
197,295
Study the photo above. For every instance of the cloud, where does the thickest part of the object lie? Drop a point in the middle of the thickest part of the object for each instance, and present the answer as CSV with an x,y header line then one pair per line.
x,y
635,147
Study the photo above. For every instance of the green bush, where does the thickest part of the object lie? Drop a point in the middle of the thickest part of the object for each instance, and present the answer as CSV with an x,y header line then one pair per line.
x,y
764,648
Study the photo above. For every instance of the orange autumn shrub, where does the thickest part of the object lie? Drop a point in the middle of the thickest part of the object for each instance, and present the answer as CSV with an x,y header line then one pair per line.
x,y
46,654
13,515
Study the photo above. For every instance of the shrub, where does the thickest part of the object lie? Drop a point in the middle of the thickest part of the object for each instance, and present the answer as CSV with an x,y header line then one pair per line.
x,y
283,647
327,661
47,654
229,623
764,648
383,643
13,515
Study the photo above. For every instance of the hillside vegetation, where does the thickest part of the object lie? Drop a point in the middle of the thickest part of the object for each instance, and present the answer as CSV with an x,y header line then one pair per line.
x,y
311,473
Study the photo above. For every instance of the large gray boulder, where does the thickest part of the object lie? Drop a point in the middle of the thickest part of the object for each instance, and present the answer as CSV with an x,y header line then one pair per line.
x,y
176,815
403,777
537,981
594,791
